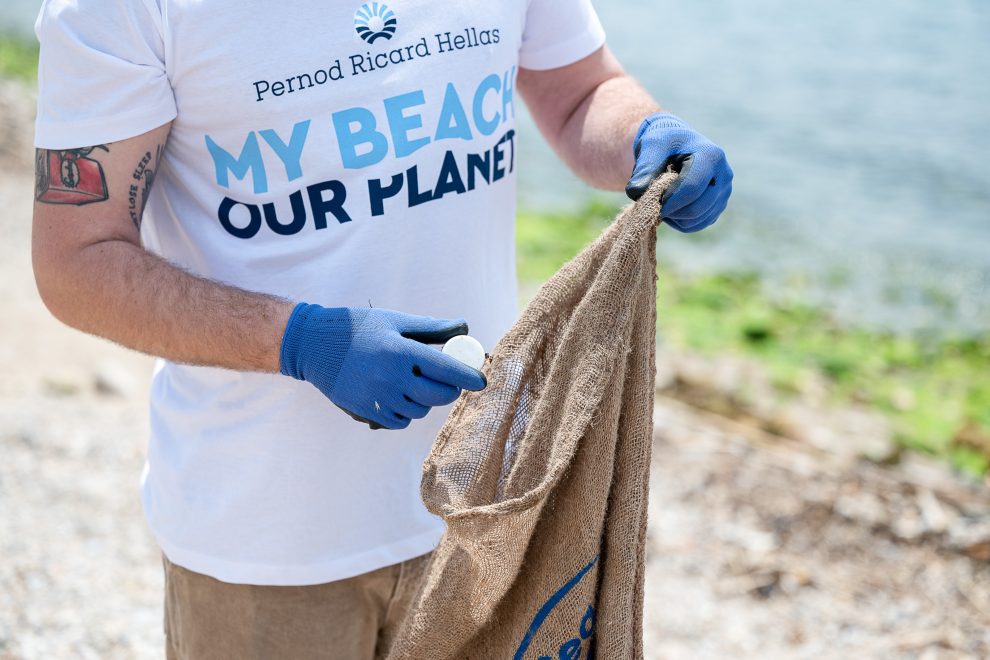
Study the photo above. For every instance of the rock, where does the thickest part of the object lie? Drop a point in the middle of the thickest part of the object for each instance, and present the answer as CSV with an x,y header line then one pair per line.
x,y
933,513
980,551
113,380
57,386
972,436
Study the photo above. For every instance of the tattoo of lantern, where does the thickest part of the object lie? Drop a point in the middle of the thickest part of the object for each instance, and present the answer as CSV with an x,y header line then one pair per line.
x,y
70,176
70,166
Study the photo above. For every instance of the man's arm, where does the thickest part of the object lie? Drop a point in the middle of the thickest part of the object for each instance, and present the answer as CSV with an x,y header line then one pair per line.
x,y
589,112
94,275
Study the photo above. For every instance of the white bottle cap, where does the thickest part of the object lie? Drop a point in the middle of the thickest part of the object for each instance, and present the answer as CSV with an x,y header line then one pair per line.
x,y
466,349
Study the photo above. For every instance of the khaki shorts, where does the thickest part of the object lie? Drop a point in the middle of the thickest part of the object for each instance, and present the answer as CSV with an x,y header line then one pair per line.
x,y
356,618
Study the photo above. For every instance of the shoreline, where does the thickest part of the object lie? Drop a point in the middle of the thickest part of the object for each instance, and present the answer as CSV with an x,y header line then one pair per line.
x,y
931,391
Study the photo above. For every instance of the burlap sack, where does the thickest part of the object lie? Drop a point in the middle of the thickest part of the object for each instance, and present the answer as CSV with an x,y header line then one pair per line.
x,y
542,477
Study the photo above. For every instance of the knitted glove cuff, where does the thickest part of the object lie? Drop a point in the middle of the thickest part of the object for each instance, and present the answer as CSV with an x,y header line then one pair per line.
x,y
318,335
660,120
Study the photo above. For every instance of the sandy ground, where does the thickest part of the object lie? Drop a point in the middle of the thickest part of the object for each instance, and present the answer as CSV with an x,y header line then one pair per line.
x,y
784,545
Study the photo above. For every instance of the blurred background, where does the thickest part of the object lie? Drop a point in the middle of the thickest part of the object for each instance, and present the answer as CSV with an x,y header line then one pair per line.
x,y
822,440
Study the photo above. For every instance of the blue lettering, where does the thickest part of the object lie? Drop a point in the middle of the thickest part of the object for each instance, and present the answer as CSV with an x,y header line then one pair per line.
x,y
378,193
400,124
510,137
365,134
249,160
450,177
587,623
491,83
453,120
480,163
571,650
298,216
290,154
508,97
547,608
321,207
497,170
247,231
415,196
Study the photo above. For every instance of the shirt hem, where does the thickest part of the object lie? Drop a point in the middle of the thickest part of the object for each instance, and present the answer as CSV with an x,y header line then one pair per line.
x,y
105,130
235,572
567,52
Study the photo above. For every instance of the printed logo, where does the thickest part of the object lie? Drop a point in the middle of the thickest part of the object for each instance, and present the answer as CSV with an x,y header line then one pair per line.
x,y
374,20
570,649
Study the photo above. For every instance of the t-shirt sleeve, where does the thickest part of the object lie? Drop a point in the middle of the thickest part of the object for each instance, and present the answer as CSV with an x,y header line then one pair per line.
x,y
558,33
101,72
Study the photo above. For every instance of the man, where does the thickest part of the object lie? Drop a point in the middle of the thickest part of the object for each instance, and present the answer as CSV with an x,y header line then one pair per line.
x,y
307,168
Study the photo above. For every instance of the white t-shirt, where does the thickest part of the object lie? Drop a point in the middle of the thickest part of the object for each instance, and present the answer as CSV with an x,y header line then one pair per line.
x,y
336,153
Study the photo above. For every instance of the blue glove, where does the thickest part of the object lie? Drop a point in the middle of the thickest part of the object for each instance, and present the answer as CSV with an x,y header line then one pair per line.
x,y
705,180
371,364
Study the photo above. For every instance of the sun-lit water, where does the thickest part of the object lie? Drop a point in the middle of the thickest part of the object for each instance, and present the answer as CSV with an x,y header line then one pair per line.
x,y
859,137
857,131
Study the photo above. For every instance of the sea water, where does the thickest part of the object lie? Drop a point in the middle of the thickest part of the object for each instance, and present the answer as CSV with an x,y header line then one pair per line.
x,y
859,137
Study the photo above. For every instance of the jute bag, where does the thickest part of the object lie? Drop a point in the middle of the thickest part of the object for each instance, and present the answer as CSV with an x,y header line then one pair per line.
x,y
542,477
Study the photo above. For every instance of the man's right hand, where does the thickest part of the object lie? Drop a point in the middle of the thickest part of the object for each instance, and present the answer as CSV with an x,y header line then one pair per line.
x,y
374,364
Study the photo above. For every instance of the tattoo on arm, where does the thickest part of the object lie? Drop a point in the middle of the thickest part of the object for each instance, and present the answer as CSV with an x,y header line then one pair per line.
x,y
144,176
70,176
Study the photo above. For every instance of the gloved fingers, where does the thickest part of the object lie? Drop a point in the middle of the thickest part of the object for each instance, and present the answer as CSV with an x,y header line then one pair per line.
x,y
409,409
647,170
694,209
429,393
444,369
642,176
700,213
399,422
429,330
373,425
663,140
382,418
699,224
387,417
705,168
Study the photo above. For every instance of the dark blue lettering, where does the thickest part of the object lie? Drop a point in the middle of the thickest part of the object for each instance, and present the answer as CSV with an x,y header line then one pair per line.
x,y
497,171
415,196
571,650
378,194
510,137
588,623
298,216
548,607
443,42
482,163
260,88
335,205
450,177
254,218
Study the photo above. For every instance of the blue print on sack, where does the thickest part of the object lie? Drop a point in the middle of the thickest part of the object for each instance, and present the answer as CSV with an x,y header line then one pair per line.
x,y
571,649
373,21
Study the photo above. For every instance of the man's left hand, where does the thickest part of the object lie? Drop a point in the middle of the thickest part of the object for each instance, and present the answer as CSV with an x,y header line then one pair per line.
x,y
705,181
